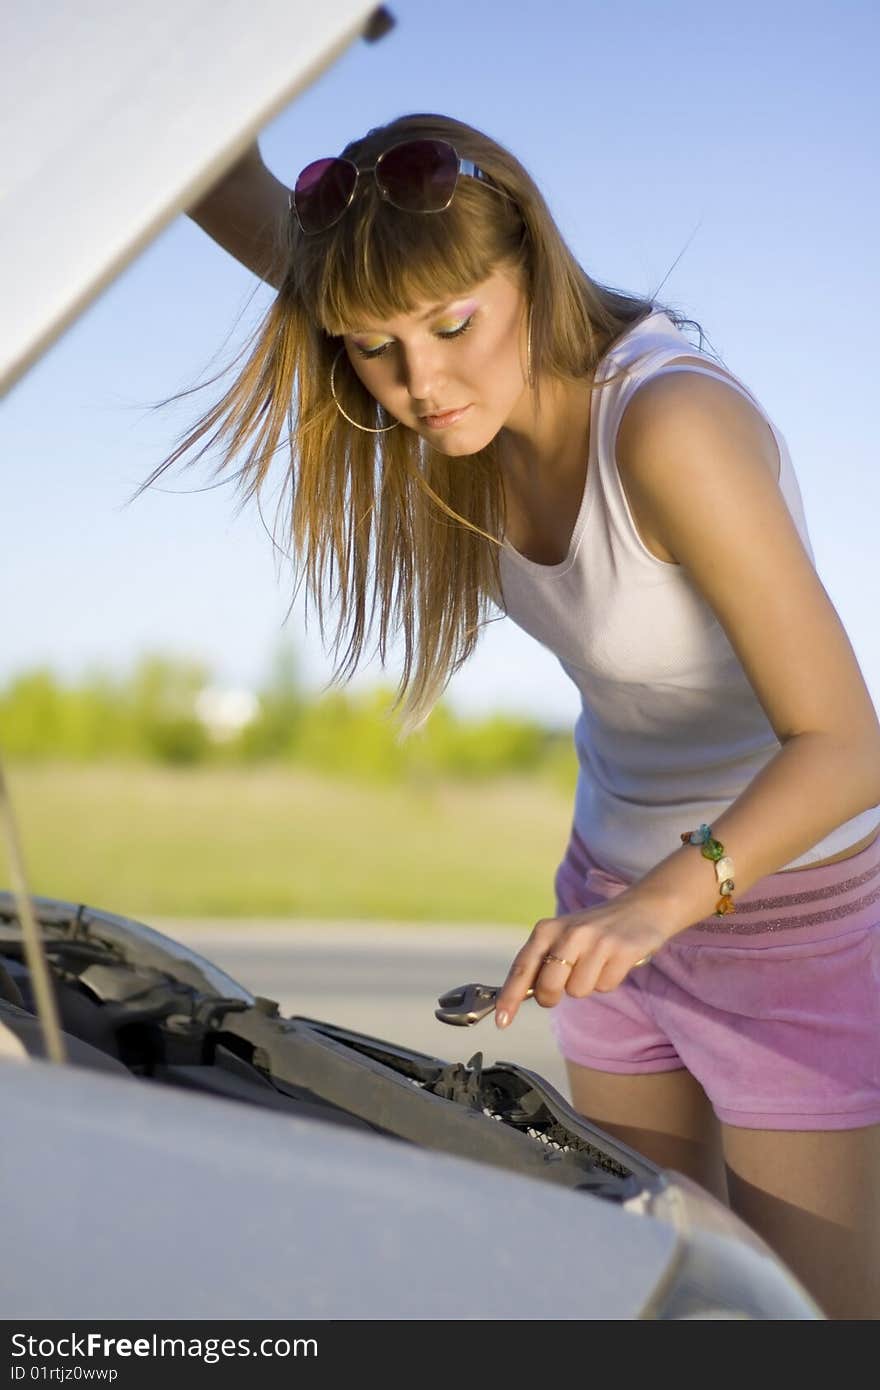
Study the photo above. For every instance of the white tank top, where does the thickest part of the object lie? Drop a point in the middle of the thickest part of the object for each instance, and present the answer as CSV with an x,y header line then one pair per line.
x,y
670,731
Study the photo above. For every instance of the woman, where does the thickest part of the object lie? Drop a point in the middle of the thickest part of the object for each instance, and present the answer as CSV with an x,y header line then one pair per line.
x,y
482,423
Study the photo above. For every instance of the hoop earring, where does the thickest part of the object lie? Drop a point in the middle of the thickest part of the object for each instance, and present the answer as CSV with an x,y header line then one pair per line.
x,y
366,428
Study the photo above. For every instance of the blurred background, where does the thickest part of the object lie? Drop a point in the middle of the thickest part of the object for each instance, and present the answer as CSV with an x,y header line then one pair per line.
x,y
171,745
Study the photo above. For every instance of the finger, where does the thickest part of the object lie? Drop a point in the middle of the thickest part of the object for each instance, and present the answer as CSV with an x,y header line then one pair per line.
x,y
594,972
609,980
523,973
554,972
612,972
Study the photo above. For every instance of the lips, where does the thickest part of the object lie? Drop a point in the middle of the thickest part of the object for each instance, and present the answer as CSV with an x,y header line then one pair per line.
x,y
445,417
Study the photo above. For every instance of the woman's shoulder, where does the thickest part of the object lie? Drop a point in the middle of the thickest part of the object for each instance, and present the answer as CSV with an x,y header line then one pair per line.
x,y
689,379
685,394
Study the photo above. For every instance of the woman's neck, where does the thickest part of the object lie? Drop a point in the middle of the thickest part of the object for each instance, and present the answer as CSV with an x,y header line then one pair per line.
x,y
536,445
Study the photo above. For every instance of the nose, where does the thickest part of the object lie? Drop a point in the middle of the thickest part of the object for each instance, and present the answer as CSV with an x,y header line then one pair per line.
x,y
421,375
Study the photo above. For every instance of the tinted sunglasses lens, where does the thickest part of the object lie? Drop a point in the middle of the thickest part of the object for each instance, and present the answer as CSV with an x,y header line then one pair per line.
x,y
323,191
418,176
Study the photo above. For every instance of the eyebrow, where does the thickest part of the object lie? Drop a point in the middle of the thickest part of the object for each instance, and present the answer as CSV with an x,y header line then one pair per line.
x,y
435,307
426,315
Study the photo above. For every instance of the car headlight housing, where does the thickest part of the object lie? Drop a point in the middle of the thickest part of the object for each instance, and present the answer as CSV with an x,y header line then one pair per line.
x,y
722,1270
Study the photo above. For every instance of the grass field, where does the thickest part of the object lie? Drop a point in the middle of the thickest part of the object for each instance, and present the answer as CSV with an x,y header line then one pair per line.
x,y
271,842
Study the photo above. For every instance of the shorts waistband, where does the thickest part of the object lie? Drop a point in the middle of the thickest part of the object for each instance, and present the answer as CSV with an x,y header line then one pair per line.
x,y
797,900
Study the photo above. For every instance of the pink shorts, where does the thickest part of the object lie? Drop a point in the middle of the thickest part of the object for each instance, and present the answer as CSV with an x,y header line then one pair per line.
x,y
775,1008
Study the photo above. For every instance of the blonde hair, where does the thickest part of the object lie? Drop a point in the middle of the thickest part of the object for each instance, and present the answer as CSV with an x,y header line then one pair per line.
x,y
384,517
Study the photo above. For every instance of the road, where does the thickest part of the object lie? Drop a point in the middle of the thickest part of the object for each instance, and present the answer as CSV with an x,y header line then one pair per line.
x,y
380,979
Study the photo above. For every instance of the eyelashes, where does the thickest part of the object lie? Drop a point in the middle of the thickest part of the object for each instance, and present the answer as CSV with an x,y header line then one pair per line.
x,y
453,333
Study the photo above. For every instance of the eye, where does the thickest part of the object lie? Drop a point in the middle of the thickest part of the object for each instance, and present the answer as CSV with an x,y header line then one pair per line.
x,y
457,332
372,352
450,333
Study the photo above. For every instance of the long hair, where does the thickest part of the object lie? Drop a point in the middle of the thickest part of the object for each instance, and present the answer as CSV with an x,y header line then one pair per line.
x,y
384,519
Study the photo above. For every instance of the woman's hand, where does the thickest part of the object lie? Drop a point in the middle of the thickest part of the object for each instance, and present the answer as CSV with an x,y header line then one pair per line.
x,y
598,947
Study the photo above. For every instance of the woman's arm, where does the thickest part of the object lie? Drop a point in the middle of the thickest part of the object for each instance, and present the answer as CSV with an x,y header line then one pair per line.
x,y
699,463
698,460
244,213
813,784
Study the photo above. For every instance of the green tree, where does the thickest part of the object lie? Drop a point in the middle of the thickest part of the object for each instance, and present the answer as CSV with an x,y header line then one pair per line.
x,y
352,735
32,715
161,696
277,729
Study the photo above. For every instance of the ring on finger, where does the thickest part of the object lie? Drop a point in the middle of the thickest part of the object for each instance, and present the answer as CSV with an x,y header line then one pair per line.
x,y
644,960
561,959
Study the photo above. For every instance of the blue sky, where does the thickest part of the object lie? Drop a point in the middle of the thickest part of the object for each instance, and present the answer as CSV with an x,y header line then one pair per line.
x,y
748,132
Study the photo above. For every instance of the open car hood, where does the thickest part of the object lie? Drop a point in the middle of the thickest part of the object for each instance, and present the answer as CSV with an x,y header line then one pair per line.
x,y
115,118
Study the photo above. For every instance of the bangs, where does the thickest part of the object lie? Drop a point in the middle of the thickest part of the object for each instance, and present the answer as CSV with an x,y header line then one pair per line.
x,y
379,261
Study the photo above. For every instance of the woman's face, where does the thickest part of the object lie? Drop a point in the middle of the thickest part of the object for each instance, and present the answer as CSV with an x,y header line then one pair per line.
x,y
467,354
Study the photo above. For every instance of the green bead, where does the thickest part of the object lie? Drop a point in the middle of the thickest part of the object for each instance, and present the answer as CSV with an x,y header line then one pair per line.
x,y
713,849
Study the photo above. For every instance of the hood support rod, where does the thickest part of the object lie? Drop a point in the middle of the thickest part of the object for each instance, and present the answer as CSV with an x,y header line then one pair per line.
x,y
44,994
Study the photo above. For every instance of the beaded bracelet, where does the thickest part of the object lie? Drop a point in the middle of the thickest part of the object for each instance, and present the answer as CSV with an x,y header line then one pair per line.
x,y
714,850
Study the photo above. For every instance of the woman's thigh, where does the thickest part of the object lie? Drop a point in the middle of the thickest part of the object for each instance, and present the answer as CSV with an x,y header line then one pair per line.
x,y
665,1115
814,1197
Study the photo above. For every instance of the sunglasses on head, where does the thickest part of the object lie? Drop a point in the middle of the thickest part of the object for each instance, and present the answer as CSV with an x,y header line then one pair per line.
x,y
415,176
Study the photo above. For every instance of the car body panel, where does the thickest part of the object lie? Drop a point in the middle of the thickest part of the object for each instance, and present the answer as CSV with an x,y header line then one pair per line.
x,y
190,1116
178,1206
